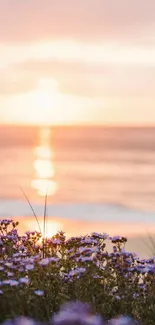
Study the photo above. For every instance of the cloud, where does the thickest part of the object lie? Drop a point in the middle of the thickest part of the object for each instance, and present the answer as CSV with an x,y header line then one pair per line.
x,y
30,20
91,80
16,85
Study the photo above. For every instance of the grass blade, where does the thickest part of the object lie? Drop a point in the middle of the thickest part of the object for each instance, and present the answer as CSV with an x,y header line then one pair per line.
x,y
45,213
44,224
31,207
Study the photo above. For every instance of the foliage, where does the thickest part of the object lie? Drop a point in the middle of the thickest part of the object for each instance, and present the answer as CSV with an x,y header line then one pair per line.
x,y
37,276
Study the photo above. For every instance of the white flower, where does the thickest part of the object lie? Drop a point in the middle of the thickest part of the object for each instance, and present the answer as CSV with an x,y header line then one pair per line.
x,y
114,290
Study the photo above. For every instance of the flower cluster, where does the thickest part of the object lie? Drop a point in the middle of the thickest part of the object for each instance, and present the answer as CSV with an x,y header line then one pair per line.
x,y
35,278
74,313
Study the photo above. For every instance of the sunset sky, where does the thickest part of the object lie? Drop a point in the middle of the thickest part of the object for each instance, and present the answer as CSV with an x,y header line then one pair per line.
x,y
85,61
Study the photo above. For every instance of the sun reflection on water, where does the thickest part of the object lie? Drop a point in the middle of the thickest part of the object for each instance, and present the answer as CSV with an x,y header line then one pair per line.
x,y
44,177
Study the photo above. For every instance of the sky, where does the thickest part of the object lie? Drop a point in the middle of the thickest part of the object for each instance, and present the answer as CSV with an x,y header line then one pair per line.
x,y
85,61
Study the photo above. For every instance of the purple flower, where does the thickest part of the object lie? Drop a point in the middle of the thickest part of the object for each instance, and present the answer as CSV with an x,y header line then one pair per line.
x,y
135,295
44,261
96,277
16,254
39,293
123,321
6,222
88,250
85,259
100,236
20,321
24,280
53,259
68,251
76,313
88,240
14,283
77,271
119,239
29,267
7,282
118,297
10,274
8,264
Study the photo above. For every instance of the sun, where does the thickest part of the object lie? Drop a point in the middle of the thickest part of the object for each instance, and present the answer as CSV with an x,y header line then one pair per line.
x,y
45,101
46,94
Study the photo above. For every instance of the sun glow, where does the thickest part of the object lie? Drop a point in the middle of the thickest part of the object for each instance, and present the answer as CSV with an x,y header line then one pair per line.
x,y
46,100
51,229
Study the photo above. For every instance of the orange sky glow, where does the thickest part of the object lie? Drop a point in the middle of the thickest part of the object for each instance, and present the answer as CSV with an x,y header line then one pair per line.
x,y
73,62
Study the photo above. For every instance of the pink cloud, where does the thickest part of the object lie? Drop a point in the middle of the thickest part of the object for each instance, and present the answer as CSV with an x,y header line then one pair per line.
x,y
32,20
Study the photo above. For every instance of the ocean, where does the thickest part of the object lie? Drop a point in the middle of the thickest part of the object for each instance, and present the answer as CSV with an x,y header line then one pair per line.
x,y
96,179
